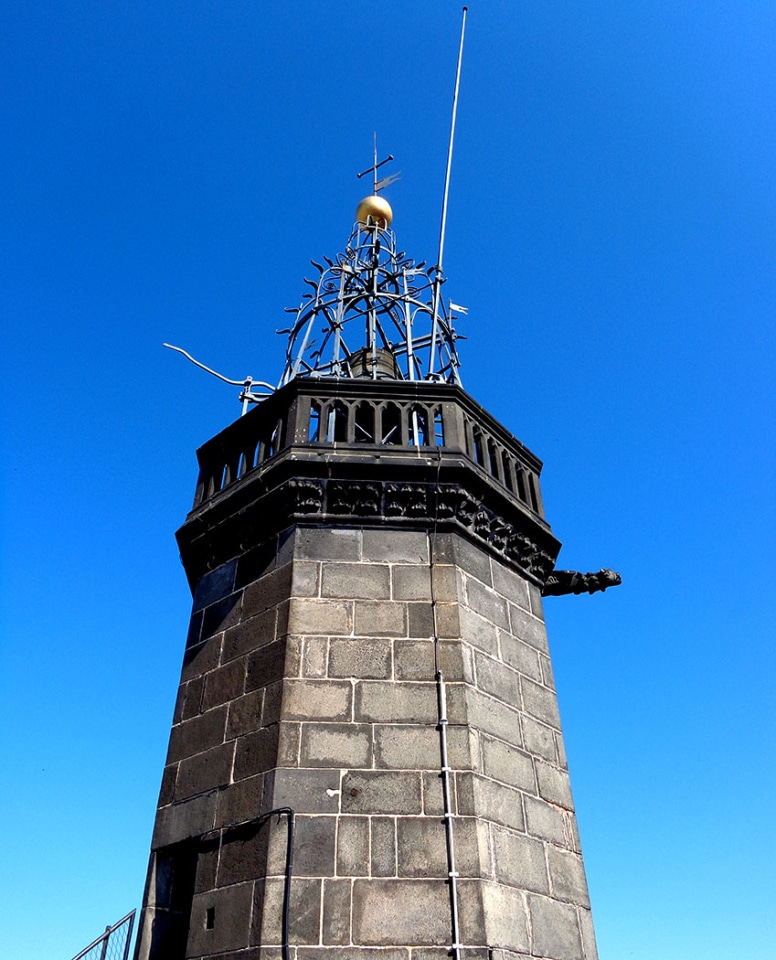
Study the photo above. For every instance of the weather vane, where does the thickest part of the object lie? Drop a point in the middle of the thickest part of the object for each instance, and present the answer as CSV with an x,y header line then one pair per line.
x,y
386,181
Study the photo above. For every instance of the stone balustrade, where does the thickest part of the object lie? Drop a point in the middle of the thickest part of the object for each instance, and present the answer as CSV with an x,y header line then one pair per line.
x,y
384,419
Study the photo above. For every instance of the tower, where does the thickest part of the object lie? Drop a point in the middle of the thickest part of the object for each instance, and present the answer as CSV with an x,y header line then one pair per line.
x,y
366,757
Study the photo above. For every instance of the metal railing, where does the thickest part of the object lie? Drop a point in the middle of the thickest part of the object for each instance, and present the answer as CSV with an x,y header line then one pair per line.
x,y
113,944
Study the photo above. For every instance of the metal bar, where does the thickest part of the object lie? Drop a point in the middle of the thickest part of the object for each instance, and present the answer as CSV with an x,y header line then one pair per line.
x,y
287,885
104,936
452,872
443,223
105,939
129,935
449,816
408,329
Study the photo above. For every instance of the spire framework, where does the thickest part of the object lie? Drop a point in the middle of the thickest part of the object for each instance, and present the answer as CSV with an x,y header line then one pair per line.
x,y
373,312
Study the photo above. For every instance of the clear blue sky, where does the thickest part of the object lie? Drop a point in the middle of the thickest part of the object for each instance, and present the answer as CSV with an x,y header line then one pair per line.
x,y
166,172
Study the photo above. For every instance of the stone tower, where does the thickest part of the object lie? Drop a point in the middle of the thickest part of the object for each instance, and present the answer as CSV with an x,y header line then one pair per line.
x,y
366,759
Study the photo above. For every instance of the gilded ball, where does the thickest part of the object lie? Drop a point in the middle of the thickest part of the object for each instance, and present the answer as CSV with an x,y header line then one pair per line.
x,y
374,209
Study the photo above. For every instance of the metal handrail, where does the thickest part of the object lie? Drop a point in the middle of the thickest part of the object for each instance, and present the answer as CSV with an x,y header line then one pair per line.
x,y
105,937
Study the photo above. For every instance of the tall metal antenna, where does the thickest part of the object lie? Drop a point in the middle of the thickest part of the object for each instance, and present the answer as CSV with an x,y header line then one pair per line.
x,y
443,224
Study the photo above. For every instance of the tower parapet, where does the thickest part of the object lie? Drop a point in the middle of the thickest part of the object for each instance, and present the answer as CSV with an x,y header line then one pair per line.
x,y
374,453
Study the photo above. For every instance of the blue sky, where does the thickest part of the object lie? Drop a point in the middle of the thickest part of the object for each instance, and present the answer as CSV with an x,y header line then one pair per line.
x,y
166,173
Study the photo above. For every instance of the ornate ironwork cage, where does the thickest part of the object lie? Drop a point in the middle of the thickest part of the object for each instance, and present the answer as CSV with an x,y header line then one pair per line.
x,y
373,312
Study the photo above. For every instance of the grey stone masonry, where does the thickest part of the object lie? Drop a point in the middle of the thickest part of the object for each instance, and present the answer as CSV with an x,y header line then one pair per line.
x,y
309,681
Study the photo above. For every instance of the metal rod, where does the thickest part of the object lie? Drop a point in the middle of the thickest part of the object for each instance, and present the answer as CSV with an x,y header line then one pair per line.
x,y
106,937
287,885
236,383
452,873
449,815
445,194
129,935
443,224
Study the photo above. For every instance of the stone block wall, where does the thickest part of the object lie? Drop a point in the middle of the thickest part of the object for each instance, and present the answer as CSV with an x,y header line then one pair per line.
x,y
309,682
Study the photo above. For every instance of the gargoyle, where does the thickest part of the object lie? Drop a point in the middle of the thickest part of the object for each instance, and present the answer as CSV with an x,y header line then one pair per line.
x,y
561,582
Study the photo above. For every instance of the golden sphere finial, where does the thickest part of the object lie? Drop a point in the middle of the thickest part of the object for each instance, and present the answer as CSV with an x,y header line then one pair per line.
x,y
374,209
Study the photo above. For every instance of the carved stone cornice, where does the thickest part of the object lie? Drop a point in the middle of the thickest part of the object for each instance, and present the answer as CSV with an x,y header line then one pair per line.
x,y
512,535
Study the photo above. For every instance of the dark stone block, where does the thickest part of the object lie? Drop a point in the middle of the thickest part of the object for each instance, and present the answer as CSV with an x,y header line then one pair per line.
x,y
568,876
249,635
267,591
353,847
195,629
555,930
336,912
207,863
256,563
180,702
336,745
414,659
360,658
242,801
304,911
421,620
221,615
224,684
381,792
204,772
167,789
327,543
256,753
314,846
244,714
410,911
255,953
393,702
215,585
383,847
182,821
273,703
192,694
198,660
194,736
231,918
422,848
353,953
266,665
450,548
433,797
243,853
307,791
